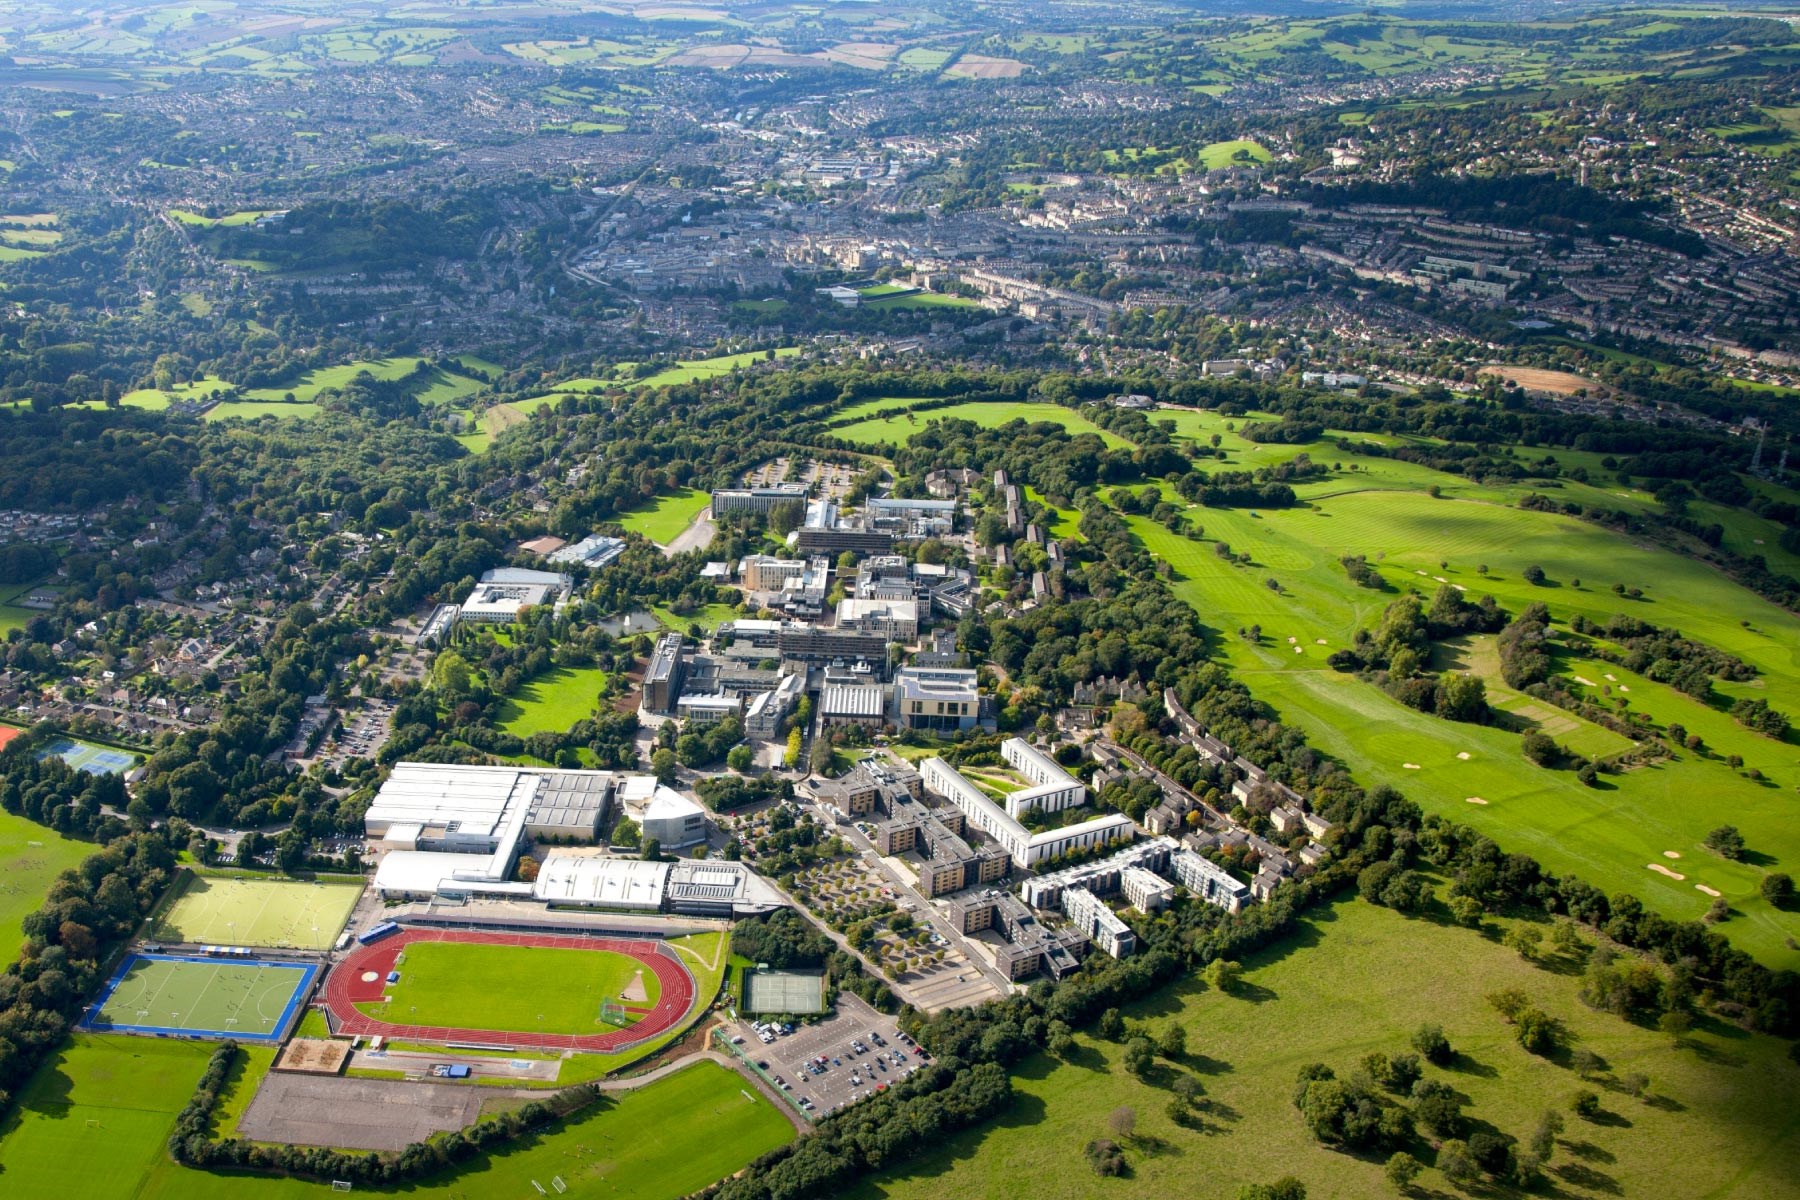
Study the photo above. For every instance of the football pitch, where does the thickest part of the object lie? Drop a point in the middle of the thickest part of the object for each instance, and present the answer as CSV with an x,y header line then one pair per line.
x,y
296,913
515,989
201,997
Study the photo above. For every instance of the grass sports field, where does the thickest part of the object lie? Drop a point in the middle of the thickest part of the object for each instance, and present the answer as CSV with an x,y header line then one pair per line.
x,y
86,756
202,997
553,701
225,911
663,519
514,989
31,856
1724,1120
896,427
95,1123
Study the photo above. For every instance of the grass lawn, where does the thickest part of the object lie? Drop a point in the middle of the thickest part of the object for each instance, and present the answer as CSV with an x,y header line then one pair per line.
x,y
296,913
251,410
1608,835
31,857
920,300
308,386
96,1119
708,617
524,989
1224,154
896,428
1723,1121
663,519
553,701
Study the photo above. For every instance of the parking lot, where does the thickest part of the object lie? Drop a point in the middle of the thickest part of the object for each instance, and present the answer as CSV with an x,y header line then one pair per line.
x,y
846,1075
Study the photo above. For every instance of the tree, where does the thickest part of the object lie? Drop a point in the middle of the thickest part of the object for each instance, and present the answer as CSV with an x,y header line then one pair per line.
x,y
1402,1168
741,759
1122,1121
1111,1025
1726,841
1285,1188
626,833
1676,1023
1457,1164
1140,1056
1539,749
1533,575
652,851
1467,911
1172,1042
1543,1138
528,869
1536,1030
1105,1157
1430,1041
662,765
1778,889
1525,939
1224,974
1585,1104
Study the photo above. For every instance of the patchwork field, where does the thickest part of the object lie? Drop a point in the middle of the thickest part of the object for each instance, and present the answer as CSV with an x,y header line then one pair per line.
x,y
1721,1119
1378,508
516,989
666,516
31,856
223,911
553,701
895,427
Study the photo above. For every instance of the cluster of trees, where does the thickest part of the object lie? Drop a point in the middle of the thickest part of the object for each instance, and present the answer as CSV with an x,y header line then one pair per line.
x,y
1394,653
91,909
1664,655
52,793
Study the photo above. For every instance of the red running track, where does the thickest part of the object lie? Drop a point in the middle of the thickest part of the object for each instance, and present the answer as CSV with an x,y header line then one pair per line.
x,y
344,988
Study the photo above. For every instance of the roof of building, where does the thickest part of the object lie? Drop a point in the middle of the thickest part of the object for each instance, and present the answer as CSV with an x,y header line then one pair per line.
x,y
592,879
852,700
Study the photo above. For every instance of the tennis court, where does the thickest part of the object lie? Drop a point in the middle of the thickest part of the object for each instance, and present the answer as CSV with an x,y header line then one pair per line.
x,y
296,913
180,996
795,992
85,756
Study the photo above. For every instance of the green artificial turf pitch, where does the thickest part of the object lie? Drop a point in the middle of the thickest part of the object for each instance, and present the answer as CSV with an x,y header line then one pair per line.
x,y
296,913
516,989
202,996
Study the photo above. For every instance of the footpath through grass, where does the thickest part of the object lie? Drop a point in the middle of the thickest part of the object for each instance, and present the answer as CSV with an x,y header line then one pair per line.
x,y
518,989
1723,1118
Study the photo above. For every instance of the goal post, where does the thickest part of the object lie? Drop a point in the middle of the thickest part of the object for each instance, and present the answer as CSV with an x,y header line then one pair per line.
x,y
613,1013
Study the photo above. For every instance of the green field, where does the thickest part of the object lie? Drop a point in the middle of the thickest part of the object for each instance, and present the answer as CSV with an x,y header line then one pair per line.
x,y
251,410
308,386
31,857
202,996
1724,1120
1224,154
182,216
95,1122
663,519
553,701
221,911
896,428
1378,507
517,989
